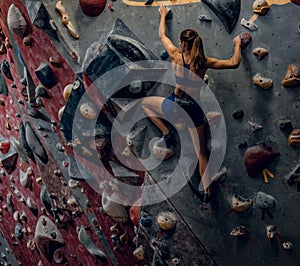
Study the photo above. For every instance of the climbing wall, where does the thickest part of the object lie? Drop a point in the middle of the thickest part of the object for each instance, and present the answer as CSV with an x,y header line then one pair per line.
x,y
76,162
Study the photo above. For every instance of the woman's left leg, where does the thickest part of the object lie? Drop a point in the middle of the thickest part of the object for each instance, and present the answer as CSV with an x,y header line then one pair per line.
x,y
199,142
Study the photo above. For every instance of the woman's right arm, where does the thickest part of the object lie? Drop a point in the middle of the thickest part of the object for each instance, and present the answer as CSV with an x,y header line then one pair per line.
x,y
233,62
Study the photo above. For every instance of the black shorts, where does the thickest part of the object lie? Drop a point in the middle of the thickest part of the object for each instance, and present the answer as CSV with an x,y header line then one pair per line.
x,y
192,108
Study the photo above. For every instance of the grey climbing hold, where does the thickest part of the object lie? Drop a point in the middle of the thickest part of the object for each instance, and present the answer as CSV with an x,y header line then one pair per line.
x,y
40,17
204,18
47,237
265,201
45,199
35,144
86,241
15,21
114,209
23,143
40,91
26,178
248,24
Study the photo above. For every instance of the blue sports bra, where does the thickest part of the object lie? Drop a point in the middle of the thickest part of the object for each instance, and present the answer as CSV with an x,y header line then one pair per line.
x,y
185,81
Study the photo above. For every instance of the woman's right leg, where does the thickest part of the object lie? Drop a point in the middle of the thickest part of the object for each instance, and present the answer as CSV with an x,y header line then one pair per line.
x,y
152,106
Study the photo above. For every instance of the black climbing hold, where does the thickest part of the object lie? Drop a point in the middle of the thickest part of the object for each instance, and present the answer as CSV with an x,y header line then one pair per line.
x,y
3,86
164,55
285,125
45,75
243,144
228,11
169,15
5,68
239,114
148,2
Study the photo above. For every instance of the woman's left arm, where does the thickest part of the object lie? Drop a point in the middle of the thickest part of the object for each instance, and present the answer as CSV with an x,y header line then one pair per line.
x,y
167,43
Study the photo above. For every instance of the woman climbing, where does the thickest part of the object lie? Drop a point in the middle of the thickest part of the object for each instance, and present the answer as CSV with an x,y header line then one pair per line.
x,y
187,60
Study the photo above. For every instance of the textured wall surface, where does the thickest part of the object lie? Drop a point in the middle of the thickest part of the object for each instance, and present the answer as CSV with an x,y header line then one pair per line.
x,y
201,236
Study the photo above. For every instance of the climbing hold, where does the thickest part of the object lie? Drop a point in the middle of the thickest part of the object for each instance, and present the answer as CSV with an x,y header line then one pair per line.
x,y
47,237
294,138
238,114
55,61
262,82
136,86
114,209
7,44
135,211
88,111
66,20
86,241
139,252
258,157
240,231
18,233
31,204
40,91
145,219
45,75
3,50
254,126
166,220
260,52
110,6
212,117
271,231
285,125
148,2
227,11
58,256
204,18
287,245
292,77
27,41
35,144
246,38
67,91
26,178
60,112
260,7
265,201
164,55
240,204
92,8
248,24
15,21
4,146
16,216
161,153
23,143
5,68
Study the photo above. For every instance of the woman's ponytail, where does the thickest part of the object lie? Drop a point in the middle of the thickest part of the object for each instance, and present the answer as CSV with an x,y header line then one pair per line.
x,y
197,55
